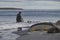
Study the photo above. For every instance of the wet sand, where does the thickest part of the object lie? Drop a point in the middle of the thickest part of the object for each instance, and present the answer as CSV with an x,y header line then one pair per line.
x,y
7,34
13,34
40,36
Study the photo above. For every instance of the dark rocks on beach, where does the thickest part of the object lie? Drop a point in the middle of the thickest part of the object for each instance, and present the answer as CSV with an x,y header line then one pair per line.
x,y
19,29
28,21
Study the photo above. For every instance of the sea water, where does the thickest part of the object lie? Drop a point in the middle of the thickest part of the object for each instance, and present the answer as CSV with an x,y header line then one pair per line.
x,y
8,18
42,16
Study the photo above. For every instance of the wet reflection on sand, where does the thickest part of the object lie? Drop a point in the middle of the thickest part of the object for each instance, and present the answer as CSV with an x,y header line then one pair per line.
x,y
8,35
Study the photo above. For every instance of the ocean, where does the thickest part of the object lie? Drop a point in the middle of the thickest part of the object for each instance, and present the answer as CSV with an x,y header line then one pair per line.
x,y
8,18
41,16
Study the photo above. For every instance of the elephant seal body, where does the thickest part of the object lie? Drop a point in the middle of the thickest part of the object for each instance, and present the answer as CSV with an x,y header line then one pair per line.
x,y
53,30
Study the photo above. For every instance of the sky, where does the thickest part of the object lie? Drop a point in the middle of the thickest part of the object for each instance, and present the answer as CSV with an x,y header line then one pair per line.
x,y
29,0
31,4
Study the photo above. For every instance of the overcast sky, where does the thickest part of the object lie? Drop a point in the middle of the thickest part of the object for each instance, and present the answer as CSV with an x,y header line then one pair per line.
x,y
31,4
29,0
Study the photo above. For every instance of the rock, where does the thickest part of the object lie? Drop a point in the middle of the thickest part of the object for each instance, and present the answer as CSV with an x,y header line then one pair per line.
x,y
28,21
19,29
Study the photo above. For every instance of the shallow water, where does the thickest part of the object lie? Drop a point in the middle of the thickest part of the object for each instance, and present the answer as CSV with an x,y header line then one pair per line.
x,y
8,35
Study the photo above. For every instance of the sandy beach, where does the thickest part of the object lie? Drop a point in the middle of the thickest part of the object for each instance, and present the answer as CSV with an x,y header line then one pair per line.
x,y
40,36
13,34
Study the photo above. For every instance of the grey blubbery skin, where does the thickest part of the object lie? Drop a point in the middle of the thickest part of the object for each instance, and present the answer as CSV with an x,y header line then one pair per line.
x,y
53,28
19,18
